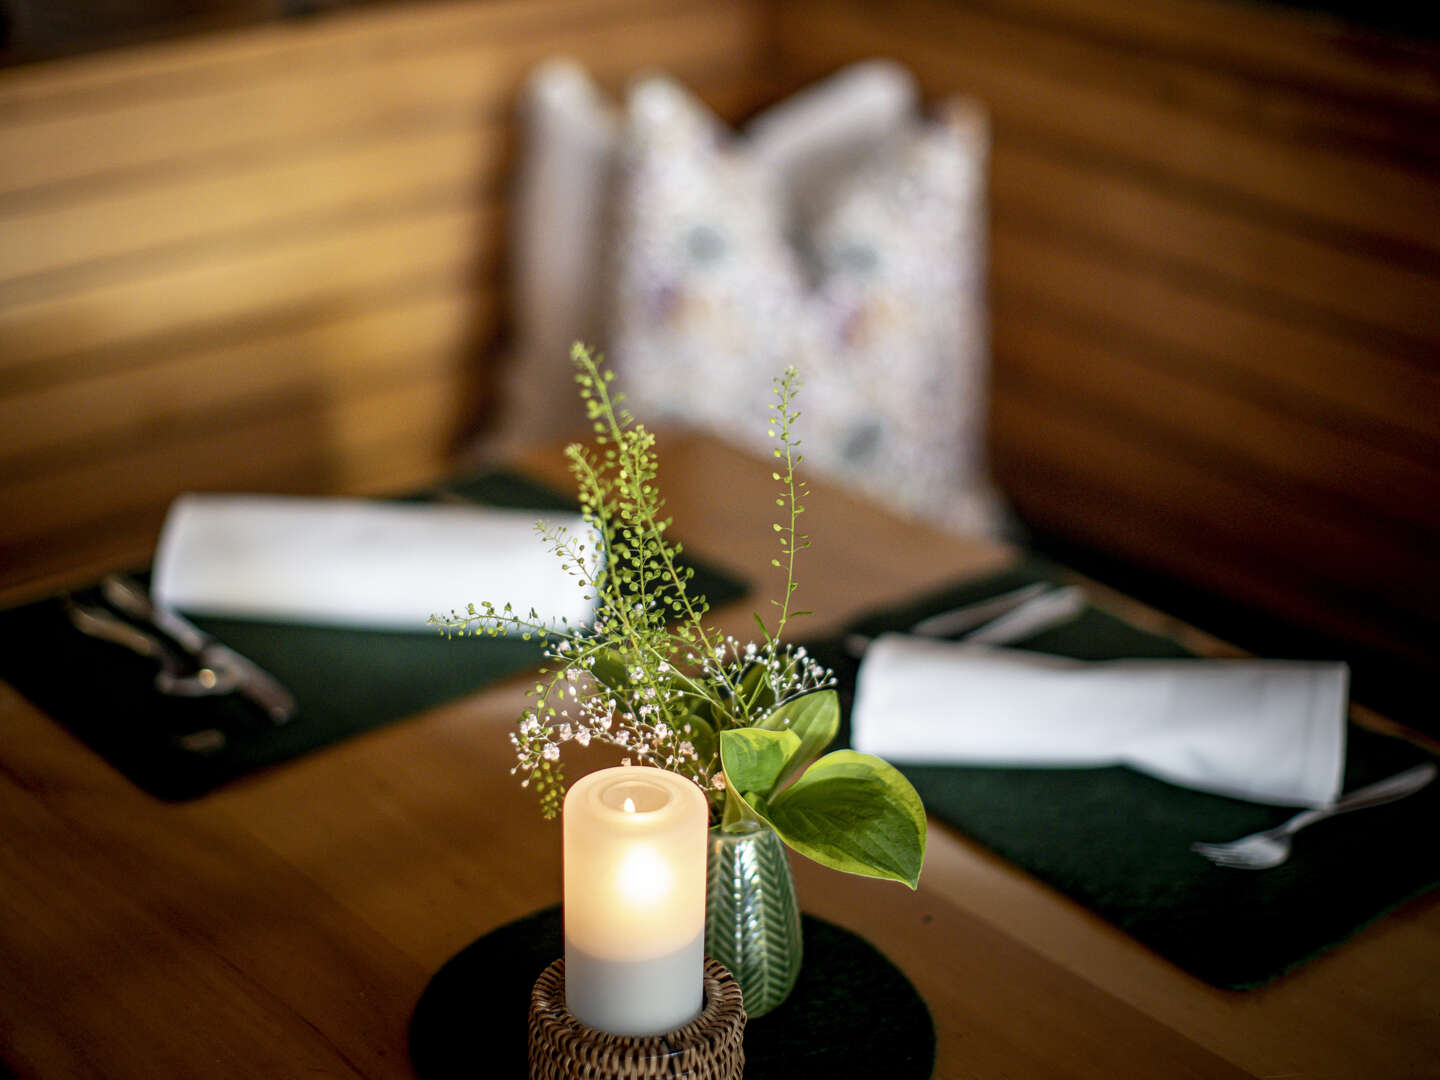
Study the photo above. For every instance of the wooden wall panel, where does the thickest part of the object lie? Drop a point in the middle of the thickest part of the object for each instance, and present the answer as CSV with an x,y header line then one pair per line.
x,y
274,258
1215,276
1310,274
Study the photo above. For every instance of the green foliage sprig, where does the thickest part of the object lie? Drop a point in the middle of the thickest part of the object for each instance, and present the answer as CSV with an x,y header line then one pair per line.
x,y
745,721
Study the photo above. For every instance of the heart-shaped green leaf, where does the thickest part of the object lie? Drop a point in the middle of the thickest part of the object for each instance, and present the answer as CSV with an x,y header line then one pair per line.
x,y
815,718
856,813
753,757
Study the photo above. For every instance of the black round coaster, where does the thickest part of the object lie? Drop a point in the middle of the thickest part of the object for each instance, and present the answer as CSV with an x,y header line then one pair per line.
x,y
852,1012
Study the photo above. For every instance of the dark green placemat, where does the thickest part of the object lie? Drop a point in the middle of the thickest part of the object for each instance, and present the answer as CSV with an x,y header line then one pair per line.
x,y
852,1012
346,681
1118,841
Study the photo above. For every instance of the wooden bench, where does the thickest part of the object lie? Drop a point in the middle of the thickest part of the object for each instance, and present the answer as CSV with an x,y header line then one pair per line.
x,y
273,258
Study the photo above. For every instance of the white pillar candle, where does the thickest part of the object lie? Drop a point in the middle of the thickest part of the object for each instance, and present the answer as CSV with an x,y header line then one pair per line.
x,y
635,843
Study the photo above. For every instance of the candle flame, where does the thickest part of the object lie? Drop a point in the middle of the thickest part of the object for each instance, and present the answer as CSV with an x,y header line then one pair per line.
x,y
629,806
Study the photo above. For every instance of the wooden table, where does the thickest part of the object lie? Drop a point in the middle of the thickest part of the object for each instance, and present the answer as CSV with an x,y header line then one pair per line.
x,y
286,925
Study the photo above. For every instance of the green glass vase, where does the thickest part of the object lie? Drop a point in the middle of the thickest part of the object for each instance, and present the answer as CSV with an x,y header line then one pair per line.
x,y
752,920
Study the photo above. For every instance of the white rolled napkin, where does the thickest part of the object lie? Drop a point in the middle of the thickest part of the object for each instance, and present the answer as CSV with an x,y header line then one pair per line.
x,y
358,562
1269,731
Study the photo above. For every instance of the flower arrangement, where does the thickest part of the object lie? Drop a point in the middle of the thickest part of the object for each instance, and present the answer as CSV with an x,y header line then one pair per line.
x,y
748,721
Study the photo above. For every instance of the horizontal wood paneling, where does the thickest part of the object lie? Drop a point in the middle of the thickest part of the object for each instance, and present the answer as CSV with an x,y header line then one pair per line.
x,y
188,212
273,258
299,276
1098,495
399,335
1152,113
1266,41
1340,380
331,82
1312,275
1215,285
316,143
1258,442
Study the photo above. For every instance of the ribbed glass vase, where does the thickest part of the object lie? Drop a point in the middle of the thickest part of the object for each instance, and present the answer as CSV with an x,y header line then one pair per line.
x,y
752,920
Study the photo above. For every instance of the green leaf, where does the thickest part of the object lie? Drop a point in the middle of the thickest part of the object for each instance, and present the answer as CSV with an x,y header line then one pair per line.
x,y
753,758
754,693
853,812
695,705
815,718
609,668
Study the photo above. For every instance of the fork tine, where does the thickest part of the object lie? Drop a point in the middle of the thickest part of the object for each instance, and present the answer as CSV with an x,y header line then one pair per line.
x,y
1227,855
1230,862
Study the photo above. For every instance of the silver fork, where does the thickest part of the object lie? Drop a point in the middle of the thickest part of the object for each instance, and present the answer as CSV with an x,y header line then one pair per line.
x,y
171,679
1262,850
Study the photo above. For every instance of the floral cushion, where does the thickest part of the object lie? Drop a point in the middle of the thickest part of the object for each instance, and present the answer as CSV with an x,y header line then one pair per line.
x,y
868,278
560,227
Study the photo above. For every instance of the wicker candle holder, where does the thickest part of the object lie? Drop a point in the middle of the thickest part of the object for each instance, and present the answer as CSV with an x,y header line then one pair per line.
x,y
710,1047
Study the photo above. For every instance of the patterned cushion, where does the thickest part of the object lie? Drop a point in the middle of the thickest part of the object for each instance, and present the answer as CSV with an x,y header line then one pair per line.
x,y
562,215
867,277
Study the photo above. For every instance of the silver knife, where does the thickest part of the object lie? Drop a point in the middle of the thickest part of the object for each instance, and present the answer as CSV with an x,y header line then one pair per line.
x,y
250,680
1029,618
995,620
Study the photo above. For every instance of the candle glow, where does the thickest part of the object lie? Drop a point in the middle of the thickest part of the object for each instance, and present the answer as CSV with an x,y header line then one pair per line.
x,y
635,846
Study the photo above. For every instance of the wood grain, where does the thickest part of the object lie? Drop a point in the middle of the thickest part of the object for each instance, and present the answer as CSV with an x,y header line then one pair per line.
x,y
1215,269
274,258
1150,113
1244,253
288,922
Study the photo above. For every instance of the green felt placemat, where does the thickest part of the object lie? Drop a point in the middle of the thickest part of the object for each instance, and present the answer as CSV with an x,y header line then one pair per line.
x,y
345,681
1118,841
852,1013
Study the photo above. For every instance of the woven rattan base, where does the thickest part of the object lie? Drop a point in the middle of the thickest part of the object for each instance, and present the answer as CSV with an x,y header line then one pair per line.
x,y
710,1047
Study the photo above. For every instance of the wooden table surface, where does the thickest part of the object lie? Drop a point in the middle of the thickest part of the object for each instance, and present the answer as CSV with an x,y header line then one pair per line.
x,y
286,925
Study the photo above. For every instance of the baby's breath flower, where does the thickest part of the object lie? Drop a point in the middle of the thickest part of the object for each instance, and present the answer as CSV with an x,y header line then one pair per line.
x,y
648,666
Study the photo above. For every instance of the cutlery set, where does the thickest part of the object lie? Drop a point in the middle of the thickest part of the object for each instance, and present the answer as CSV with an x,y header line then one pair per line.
x,y
190,663
1271,847
1024,612
997,620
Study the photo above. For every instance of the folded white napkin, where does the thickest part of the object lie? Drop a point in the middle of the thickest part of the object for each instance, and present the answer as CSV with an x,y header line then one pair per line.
x,y
358,562
1264,730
